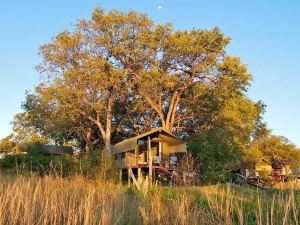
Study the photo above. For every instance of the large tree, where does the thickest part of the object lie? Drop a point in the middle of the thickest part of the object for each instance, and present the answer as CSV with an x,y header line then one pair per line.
x,y
120,73
277,148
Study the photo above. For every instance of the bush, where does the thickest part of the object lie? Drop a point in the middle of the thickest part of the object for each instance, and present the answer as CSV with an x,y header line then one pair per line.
x,y
98,165
95,165
35,162
214,151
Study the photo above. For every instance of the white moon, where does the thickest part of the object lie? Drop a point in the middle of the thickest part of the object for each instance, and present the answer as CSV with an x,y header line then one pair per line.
x,y
159,7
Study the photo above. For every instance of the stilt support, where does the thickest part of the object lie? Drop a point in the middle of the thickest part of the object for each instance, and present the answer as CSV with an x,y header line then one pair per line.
x,y
120,176
129,171
140,176
134,181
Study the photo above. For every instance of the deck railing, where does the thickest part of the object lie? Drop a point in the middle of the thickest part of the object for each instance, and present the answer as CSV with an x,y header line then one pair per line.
x,y
166,161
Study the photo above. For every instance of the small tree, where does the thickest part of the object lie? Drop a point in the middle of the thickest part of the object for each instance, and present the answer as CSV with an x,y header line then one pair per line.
x,y
7,144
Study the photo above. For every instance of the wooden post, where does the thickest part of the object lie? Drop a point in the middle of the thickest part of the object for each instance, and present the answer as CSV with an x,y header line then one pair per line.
x,y
134,181
160,151
140,176
150,160
120,176
136,155
129,175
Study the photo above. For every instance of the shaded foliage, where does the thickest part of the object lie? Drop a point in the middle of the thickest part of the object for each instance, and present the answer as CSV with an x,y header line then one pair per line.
x,y
214,150
95,165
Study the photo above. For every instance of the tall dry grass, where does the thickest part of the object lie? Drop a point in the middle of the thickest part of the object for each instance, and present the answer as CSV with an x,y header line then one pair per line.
x,y
48,200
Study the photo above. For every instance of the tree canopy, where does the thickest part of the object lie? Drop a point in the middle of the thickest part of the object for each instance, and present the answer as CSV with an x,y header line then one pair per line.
x,y
121,72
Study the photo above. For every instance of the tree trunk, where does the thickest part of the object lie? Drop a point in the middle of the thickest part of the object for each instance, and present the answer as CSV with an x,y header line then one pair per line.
x,y
171,115
87,141
107,138
107,144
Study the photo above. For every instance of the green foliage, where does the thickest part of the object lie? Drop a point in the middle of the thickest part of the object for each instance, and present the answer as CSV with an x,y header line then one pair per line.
x,y
7,144
98,165
119,73
225,122
252,156
214,151
36,162
95,165
24,134
277,148
24,131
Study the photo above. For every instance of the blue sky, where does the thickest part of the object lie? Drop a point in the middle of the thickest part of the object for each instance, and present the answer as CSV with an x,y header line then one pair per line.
x,y
265,34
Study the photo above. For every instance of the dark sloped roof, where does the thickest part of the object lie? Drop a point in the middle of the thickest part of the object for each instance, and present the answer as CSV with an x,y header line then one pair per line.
x,y
56,150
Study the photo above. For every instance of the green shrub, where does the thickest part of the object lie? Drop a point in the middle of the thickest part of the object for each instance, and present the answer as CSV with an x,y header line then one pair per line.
x,y
214,151
95,165
98,165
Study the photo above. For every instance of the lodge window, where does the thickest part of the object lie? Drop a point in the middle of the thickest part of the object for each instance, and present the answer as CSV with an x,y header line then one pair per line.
x,y
141,142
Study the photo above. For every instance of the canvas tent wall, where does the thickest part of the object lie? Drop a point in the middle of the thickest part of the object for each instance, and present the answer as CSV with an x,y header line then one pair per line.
x,y
171,143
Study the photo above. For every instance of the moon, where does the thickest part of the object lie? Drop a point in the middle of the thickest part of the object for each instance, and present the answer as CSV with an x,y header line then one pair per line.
x,y
159,7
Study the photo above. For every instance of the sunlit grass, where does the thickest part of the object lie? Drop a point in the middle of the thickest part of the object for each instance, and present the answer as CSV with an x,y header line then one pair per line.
x,y
48,200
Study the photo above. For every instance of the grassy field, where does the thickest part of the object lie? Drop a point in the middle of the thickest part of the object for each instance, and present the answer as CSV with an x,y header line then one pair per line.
x,y
34,200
